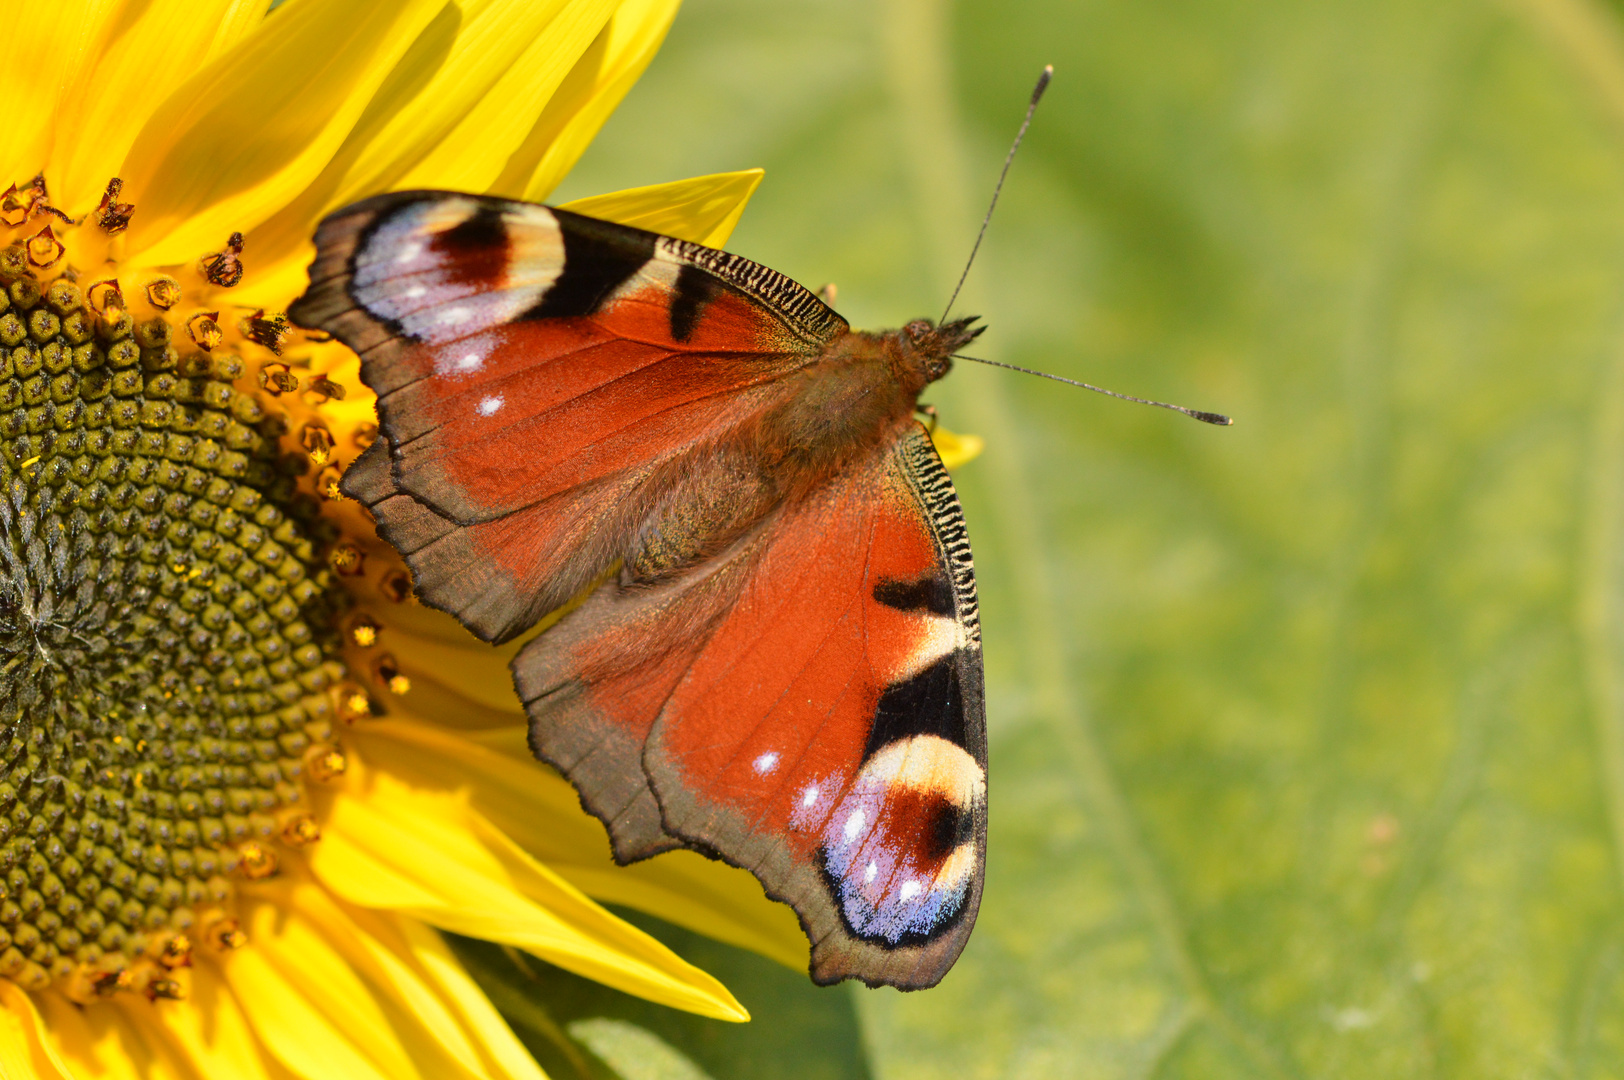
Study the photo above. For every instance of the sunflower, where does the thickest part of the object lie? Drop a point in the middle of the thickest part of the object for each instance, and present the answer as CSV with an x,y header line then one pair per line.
x,y
246,779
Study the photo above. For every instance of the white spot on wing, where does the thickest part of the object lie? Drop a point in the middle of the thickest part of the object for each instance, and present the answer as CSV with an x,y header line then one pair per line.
x,y
489,406
415,292
766,763
809,796
455,316
468,357
911,889
854,825
407,253
870,872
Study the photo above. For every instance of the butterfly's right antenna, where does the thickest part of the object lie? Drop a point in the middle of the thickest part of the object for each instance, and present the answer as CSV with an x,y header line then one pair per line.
x,y
1037,92
1202,415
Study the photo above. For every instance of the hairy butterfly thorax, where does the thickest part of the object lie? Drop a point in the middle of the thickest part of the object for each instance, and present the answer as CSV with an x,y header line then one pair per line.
x,y
855,398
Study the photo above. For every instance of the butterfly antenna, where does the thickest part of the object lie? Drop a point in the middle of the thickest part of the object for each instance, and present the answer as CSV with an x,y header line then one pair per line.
x,y
1037,93
1205,417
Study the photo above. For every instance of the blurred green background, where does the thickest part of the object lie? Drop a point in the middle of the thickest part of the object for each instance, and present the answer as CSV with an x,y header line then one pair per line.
x,y
1307,736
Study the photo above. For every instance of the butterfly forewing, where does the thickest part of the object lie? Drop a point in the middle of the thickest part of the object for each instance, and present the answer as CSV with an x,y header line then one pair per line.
x,y
532,384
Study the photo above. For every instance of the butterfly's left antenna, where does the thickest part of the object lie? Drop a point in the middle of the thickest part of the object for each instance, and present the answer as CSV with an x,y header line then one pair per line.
x,y
1037,93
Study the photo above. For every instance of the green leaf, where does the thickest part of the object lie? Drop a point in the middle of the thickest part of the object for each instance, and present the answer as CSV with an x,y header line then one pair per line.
x,y
1307,735
634,1053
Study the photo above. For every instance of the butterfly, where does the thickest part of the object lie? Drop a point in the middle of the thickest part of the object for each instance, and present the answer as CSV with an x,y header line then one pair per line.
x,y
778,659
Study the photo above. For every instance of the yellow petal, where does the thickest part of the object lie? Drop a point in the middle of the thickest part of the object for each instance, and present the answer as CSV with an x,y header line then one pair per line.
x,y
371,942
956,450
152,53
507,1056
703,209
247,133
386,845
239,19
25,1052
105,1040
543,815
210,1029
52,45
585,99
451,113
471,155
436,1020
706,896
307,1003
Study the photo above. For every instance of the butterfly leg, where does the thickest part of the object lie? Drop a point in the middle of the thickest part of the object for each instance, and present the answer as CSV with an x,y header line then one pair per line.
x,y
827,294
928,411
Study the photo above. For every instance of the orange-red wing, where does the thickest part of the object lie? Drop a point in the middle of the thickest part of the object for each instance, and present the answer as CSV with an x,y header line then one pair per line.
x,y
543,381
812,704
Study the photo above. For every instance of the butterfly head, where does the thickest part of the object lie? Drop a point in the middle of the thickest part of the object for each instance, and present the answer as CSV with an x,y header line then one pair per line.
x,y
927,349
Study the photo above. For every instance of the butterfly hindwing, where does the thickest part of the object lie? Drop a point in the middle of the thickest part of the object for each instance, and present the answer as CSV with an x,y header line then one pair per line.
x,y
543,380
815,712
594,684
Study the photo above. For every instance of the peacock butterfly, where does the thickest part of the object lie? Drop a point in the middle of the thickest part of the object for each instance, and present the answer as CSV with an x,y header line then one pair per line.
x,y
777,662
785,671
